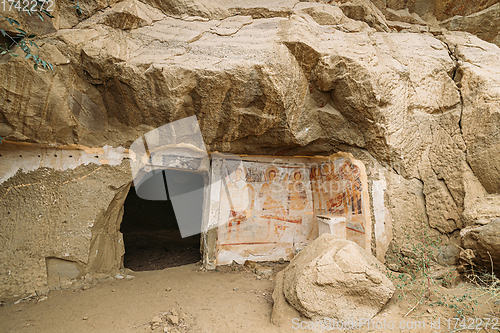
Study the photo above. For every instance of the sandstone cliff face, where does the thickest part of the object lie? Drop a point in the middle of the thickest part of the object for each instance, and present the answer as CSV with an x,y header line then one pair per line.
x,y
477,17
440,9
485,24
292,78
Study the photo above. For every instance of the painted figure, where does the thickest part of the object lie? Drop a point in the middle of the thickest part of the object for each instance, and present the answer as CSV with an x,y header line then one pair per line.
x,y
297,197
353,189
241,199
358,190
269,192
272,206
317,184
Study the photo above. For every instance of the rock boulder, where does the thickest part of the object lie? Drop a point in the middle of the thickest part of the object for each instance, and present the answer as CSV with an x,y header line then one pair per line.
x,y
334,278
485,24
485,242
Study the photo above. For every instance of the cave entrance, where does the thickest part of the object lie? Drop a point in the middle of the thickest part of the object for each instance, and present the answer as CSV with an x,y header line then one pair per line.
x,y
151,234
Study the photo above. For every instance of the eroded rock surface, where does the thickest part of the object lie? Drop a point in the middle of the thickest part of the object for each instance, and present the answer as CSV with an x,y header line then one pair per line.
x,y
485,24
59,225
485,242
333,278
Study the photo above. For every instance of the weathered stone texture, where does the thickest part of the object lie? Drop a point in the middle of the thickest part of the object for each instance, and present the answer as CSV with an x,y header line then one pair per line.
x,y
485,242
485,24
438,9
334,278
480,86
60,215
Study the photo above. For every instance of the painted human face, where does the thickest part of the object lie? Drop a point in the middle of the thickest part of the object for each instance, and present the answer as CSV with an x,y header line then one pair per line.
x,y
272,175
355,172
327,168
347,168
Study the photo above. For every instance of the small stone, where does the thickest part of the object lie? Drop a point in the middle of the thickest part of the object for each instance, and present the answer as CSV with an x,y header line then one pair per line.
x,y
155,322
87,279
448,255
86,287
259,277
42,299
165,329
112,290
129,277
172,319
483,221
86,317
174,312
393,267
235,288
127,271
168,289
265,271
429,310
77,285
281,261
251,264
119,277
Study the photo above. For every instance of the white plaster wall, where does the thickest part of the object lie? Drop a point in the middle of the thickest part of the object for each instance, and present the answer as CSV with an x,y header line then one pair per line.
x,y
383,225
30,159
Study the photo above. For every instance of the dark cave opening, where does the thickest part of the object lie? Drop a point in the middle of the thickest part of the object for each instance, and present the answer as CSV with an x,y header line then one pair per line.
x,y
152,237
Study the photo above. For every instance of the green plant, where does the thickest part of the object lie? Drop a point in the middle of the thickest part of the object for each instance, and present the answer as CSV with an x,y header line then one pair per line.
x,y
23,39
462,305
77,7
415,260
416,282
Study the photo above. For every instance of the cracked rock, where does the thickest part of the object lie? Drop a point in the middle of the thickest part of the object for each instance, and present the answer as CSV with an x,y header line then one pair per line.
x,y
485,243
336,278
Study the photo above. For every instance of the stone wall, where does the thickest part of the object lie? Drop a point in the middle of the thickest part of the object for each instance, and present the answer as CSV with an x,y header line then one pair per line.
x,y
59,222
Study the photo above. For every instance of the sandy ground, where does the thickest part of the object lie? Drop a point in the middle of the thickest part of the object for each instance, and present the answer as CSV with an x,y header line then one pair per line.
x,y
208,300
232,299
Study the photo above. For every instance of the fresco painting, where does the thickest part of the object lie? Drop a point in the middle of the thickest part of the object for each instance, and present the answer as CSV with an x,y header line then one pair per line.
x,y
338,191
265,210
269,211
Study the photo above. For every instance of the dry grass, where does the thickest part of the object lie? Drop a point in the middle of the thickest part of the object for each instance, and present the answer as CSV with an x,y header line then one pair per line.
x,y
486,282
